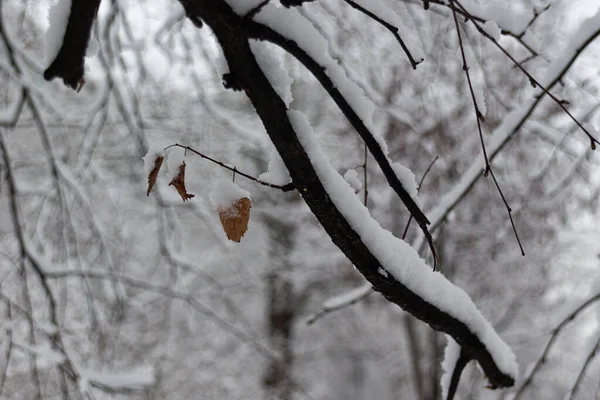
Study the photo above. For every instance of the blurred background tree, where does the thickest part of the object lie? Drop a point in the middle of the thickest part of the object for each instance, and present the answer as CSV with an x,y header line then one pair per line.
x,y
173,310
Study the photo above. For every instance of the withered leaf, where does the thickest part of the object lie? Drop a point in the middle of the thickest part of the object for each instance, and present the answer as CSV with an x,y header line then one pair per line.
x,y
179,183
154,173
234,218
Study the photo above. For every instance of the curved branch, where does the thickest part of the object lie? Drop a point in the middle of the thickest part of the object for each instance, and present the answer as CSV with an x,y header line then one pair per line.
x,y
233,34
555,332
261,32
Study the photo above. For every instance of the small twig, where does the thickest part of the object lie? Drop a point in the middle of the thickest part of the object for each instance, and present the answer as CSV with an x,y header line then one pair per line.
x,y
479,118
461,363
285,188
252,13
553,336
353,297
364,166
534,82
410,218
389,27
508,209
583,369
478,114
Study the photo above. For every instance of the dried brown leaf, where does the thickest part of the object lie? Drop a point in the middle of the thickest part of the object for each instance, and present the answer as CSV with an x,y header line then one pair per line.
x,y
234,218
154,173
179,183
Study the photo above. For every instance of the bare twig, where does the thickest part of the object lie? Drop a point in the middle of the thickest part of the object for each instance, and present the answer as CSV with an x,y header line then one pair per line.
x,y
418,190
285,188
365,175
389,27
583,369
343,301
465,67
534,82
553,336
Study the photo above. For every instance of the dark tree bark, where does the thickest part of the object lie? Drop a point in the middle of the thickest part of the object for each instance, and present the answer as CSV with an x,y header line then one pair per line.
x,y
69,63
233,33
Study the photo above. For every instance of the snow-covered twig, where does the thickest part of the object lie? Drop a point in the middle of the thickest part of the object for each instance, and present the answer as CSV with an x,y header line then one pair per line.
x,y
341,301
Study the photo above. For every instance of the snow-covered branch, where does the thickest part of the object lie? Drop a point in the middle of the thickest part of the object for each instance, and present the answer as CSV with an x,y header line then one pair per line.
x,y
390,265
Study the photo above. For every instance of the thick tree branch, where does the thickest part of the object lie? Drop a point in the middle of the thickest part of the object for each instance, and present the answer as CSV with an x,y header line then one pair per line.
x,y
262,32
233,34
69,63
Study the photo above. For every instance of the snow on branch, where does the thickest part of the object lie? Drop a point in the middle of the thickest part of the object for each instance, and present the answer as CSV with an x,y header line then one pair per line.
x,y
406,279
294,34
136,379
341,301
72,40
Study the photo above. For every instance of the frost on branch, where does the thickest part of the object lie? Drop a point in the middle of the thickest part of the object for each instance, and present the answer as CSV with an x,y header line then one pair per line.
x,y
403,263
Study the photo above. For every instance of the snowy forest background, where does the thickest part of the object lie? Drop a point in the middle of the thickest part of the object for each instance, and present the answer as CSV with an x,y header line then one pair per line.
x,y
176,311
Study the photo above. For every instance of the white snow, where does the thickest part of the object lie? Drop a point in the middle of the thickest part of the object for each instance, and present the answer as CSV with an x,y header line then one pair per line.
x,y
514,18
480,100
589,28
408,180
292,25
242,7
351,177
43,351
150,158
136,379
492,29
225,192
58,18
398,258
277,172
347,297
173,160
271,66
451,355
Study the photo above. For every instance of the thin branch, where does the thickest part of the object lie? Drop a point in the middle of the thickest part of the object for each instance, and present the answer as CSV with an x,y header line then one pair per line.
x,y
165,291
554,335
340,302
8,352
252,13
583,369
285,188
418,190
389,27
461,363
478,119
365,176
465,68
263,32
534,82
509,210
